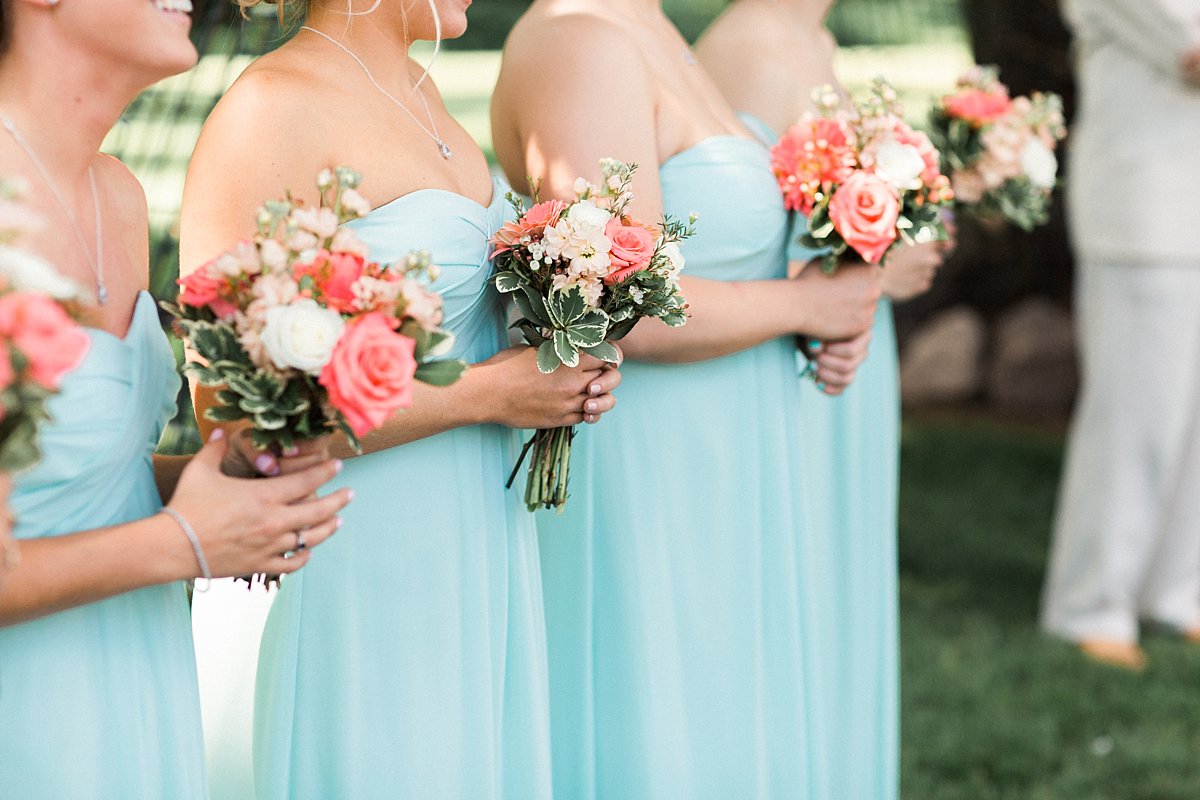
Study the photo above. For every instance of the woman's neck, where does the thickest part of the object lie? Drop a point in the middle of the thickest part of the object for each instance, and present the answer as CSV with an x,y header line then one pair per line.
x,y
63,102
380,41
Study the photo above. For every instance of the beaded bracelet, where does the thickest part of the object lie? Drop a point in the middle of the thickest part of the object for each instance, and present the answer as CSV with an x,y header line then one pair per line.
x,y
190,533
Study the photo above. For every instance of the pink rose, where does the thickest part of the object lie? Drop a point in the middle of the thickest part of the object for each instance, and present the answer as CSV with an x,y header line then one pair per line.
x,y
370,375
632,249
203,289
51,341
334,275
929,154
977,106
864,210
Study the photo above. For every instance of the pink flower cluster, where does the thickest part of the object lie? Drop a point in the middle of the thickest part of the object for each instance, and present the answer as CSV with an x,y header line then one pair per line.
x,y
39,341
303,297
1017,137
863,167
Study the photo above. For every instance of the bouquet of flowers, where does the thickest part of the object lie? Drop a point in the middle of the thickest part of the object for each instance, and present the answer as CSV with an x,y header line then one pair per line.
x,y
582,274
40,338
864,178
1000,150
303,333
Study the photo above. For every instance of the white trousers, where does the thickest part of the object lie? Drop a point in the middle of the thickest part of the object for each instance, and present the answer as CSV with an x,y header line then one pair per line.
x,y
1127,538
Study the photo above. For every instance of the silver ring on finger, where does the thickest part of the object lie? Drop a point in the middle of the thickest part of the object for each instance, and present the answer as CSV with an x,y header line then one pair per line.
x,y
301,544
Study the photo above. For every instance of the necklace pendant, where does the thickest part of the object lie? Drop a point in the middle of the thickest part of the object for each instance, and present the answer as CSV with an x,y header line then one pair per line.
x,y
102,293
445,150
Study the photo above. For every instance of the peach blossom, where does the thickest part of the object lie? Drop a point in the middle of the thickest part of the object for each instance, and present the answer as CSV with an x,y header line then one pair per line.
x,y
810,158
44,333
977,106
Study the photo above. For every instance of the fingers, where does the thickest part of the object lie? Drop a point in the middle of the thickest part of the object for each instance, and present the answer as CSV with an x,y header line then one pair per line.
x,y
290,488
213,451
604,383
313,513
597,406
589,362
293,464
313,537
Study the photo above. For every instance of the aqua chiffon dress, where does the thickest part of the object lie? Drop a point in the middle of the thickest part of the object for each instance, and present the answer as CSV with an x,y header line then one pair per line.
x,y
674,580
100,701
851,463
407,660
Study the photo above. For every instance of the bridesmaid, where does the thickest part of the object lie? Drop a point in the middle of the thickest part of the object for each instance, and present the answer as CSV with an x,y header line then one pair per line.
x,y
97,684
413,663
768,56
674,580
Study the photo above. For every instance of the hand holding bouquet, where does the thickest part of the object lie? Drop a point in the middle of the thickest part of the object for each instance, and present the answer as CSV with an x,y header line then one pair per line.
x,y
582,274
304,333
40,339
1000,150
865,179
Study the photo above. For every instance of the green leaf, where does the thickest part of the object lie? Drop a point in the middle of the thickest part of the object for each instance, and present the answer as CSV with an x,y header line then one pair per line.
x,y
440,373
507,282
225,413
531,307
566,307
565,351
547,358
584,336
604,351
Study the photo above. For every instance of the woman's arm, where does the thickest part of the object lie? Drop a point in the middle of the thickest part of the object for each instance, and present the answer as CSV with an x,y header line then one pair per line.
x,y
243,526
597,102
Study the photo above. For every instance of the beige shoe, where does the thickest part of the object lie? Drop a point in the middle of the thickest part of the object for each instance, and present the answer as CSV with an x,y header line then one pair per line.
x,y
1125,655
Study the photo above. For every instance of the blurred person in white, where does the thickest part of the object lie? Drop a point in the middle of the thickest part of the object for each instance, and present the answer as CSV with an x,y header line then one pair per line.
x,y
1126,548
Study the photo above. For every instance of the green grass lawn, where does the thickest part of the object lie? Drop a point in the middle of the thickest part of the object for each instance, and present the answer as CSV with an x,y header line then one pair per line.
x,y
991,707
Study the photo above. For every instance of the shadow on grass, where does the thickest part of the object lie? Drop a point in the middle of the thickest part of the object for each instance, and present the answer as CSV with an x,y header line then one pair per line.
x,y
991,707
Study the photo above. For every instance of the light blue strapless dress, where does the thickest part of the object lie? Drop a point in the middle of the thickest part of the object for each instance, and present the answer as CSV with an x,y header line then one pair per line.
x,y
673,581
851,451
407,660
100,702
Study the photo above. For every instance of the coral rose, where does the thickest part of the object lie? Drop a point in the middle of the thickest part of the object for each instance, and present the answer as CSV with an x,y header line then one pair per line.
x,y
203,289
864,210
370,376
977,106
42,331
632,249
334,275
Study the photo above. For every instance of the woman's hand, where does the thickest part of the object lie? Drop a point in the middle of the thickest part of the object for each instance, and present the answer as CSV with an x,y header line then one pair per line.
x,y
251,526
840,306
838,362
908,272
515,393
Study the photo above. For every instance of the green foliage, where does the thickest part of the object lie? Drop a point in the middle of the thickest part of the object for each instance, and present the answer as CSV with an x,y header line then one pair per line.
x,y
24,405
991,708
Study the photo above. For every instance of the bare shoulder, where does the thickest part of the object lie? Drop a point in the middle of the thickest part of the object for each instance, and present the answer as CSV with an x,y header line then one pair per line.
x,y
574,33
128,198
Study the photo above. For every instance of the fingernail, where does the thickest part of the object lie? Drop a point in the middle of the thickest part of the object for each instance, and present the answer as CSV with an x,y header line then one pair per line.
x,y
338,523
595,388
590,406
350,495
591,419
337,466
264,463
291,452
217,435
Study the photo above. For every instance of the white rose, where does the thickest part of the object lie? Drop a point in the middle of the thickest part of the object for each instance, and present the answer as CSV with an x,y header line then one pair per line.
x,y
899,164
1039,164
302,335
28,273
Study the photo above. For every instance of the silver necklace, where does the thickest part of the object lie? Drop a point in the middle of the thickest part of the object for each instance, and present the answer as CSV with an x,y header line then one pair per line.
x,y
433,134
95,262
